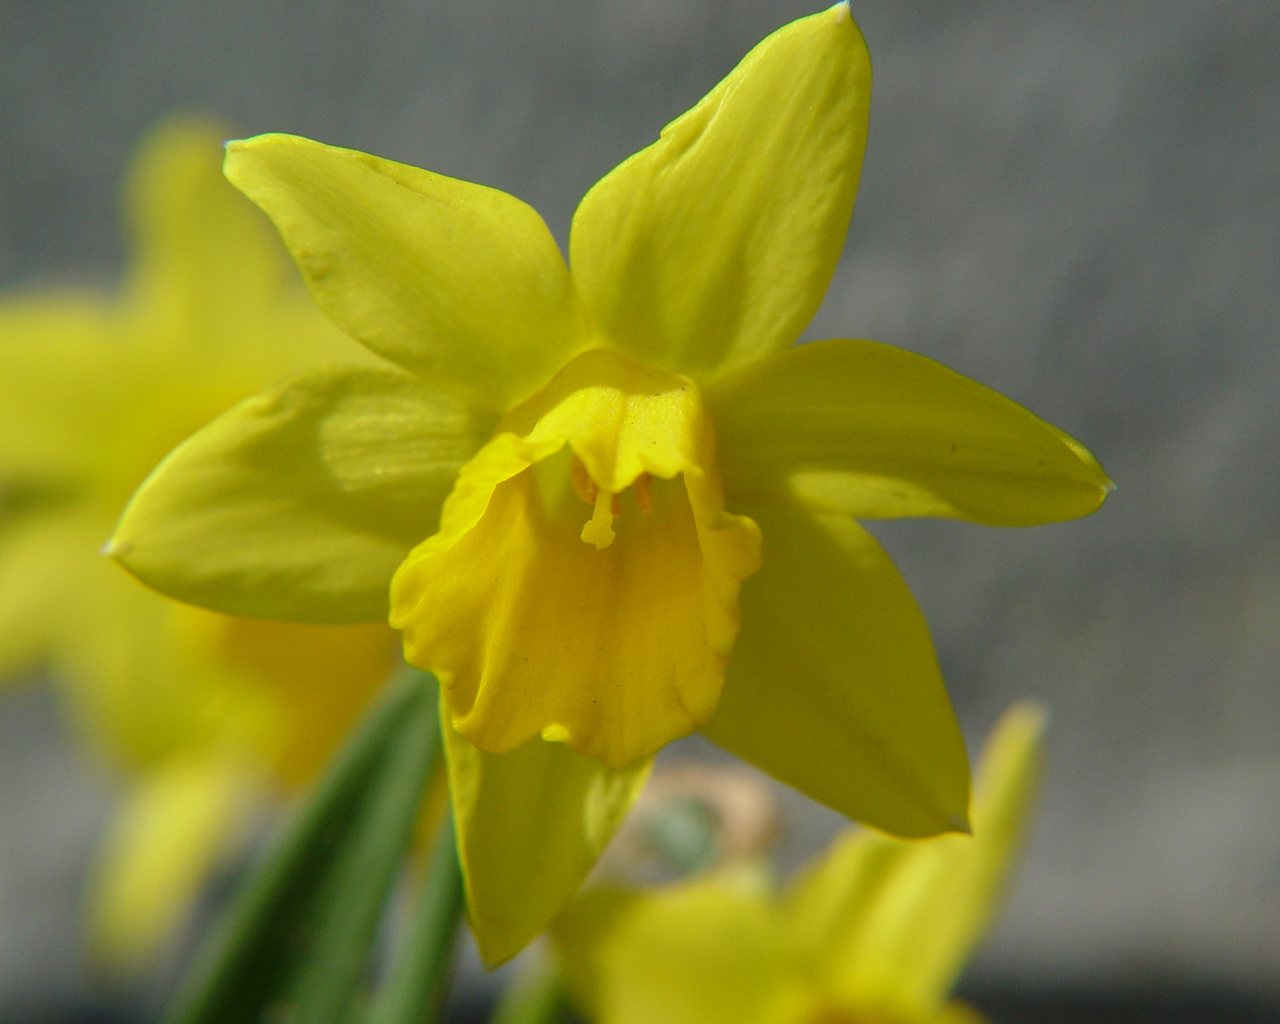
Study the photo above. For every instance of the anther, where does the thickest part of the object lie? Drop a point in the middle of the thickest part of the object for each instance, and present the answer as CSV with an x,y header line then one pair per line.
x,y
583,486
643,491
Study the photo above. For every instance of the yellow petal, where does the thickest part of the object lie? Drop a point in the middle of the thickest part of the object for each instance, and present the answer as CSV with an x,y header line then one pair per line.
x,y
60,383
537,624
172,827
33,585
147,678
457,282
832,898
834,688
876,432
700,953
317,679
118,662
531,823
300,502
946,894
896,921
714,246
956,1012
579,933
206,262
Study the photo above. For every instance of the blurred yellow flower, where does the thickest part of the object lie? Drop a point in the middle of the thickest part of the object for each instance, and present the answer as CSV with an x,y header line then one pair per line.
x,y
573,474
196,708
874,932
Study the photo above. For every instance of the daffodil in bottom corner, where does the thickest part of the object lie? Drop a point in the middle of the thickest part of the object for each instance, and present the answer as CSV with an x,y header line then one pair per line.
x,y
652,528
875,931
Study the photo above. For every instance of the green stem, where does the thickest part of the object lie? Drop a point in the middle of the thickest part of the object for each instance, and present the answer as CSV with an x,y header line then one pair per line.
x,y
535,996
241,969
351,905
417,983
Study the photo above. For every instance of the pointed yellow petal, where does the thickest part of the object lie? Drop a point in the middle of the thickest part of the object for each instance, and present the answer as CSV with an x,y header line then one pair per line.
x,y
700,953
579,933
833,686
832,897
174,824
946,896
317,679
531,823
60,382
206,262
459,283
299,503
118,661
611,636
956,1012
714,246
876,432
33,585
904,941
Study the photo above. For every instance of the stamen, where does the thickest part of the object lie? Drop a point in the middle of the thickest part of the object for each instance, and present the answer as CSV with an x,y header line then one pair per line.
x,y
607,505
643,491
599,528
583,486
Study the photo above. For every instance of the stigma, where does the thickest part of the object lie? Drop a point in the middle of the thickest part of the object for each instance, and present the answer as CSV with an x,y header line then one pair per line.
x,y
606,506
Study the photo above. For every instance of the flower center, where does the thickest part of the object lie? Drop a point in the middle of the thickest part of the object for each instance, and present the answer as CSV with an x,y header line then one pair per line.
x,y
610,636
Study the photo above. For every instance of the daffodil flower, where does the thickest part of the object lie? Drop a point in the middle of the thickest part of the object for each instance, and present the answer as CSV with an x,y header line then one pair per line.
x,y
197,710
874,932
612,504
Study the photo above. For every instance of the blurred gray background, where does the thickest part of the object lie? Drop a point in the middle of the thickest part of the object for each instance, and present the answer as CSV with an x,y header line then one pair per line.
x,y
1076,202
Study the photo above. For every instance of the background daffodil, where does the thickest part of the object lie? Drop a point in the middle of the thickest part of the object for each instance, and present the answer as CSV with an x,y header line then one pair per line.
x,y
875,931
196,709
612,504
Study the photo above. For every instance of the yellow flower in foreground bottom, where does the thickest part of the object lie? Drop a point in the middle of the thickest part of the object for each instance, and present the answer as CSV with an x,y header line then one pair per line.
x,y
197,709
874,932
651,490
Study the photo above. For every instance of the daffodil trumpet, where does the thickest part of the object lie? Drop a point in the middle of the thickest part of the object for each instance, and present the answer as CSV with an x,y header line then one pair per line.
x,y
611,501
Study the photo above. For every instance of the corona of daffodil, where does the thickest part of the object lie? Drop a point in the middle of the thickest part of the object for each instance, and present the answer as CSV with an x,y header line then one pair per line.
x,y
612,501
197,710
874,932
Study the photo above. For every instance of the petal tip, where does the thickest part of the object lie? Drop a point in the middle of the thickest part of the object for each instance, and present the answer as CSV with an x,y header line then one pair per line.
x,y
116,548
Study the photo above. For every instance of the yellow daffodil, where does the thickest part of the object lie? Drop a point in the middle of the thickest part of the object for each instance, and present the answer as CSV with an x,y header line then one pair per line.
x,y
874,932
613,504
198,709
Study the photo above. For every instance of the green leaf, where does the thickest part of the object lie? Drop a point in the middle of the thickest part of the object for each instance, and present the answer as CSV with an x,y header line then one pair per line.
x,y
350,905
414,990
535,996
288,907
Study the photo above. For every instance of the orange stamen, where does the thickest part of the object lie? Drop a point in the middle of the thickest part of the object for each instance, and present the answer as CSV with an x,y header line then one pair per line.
x,y
643,491
583,486
601,533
